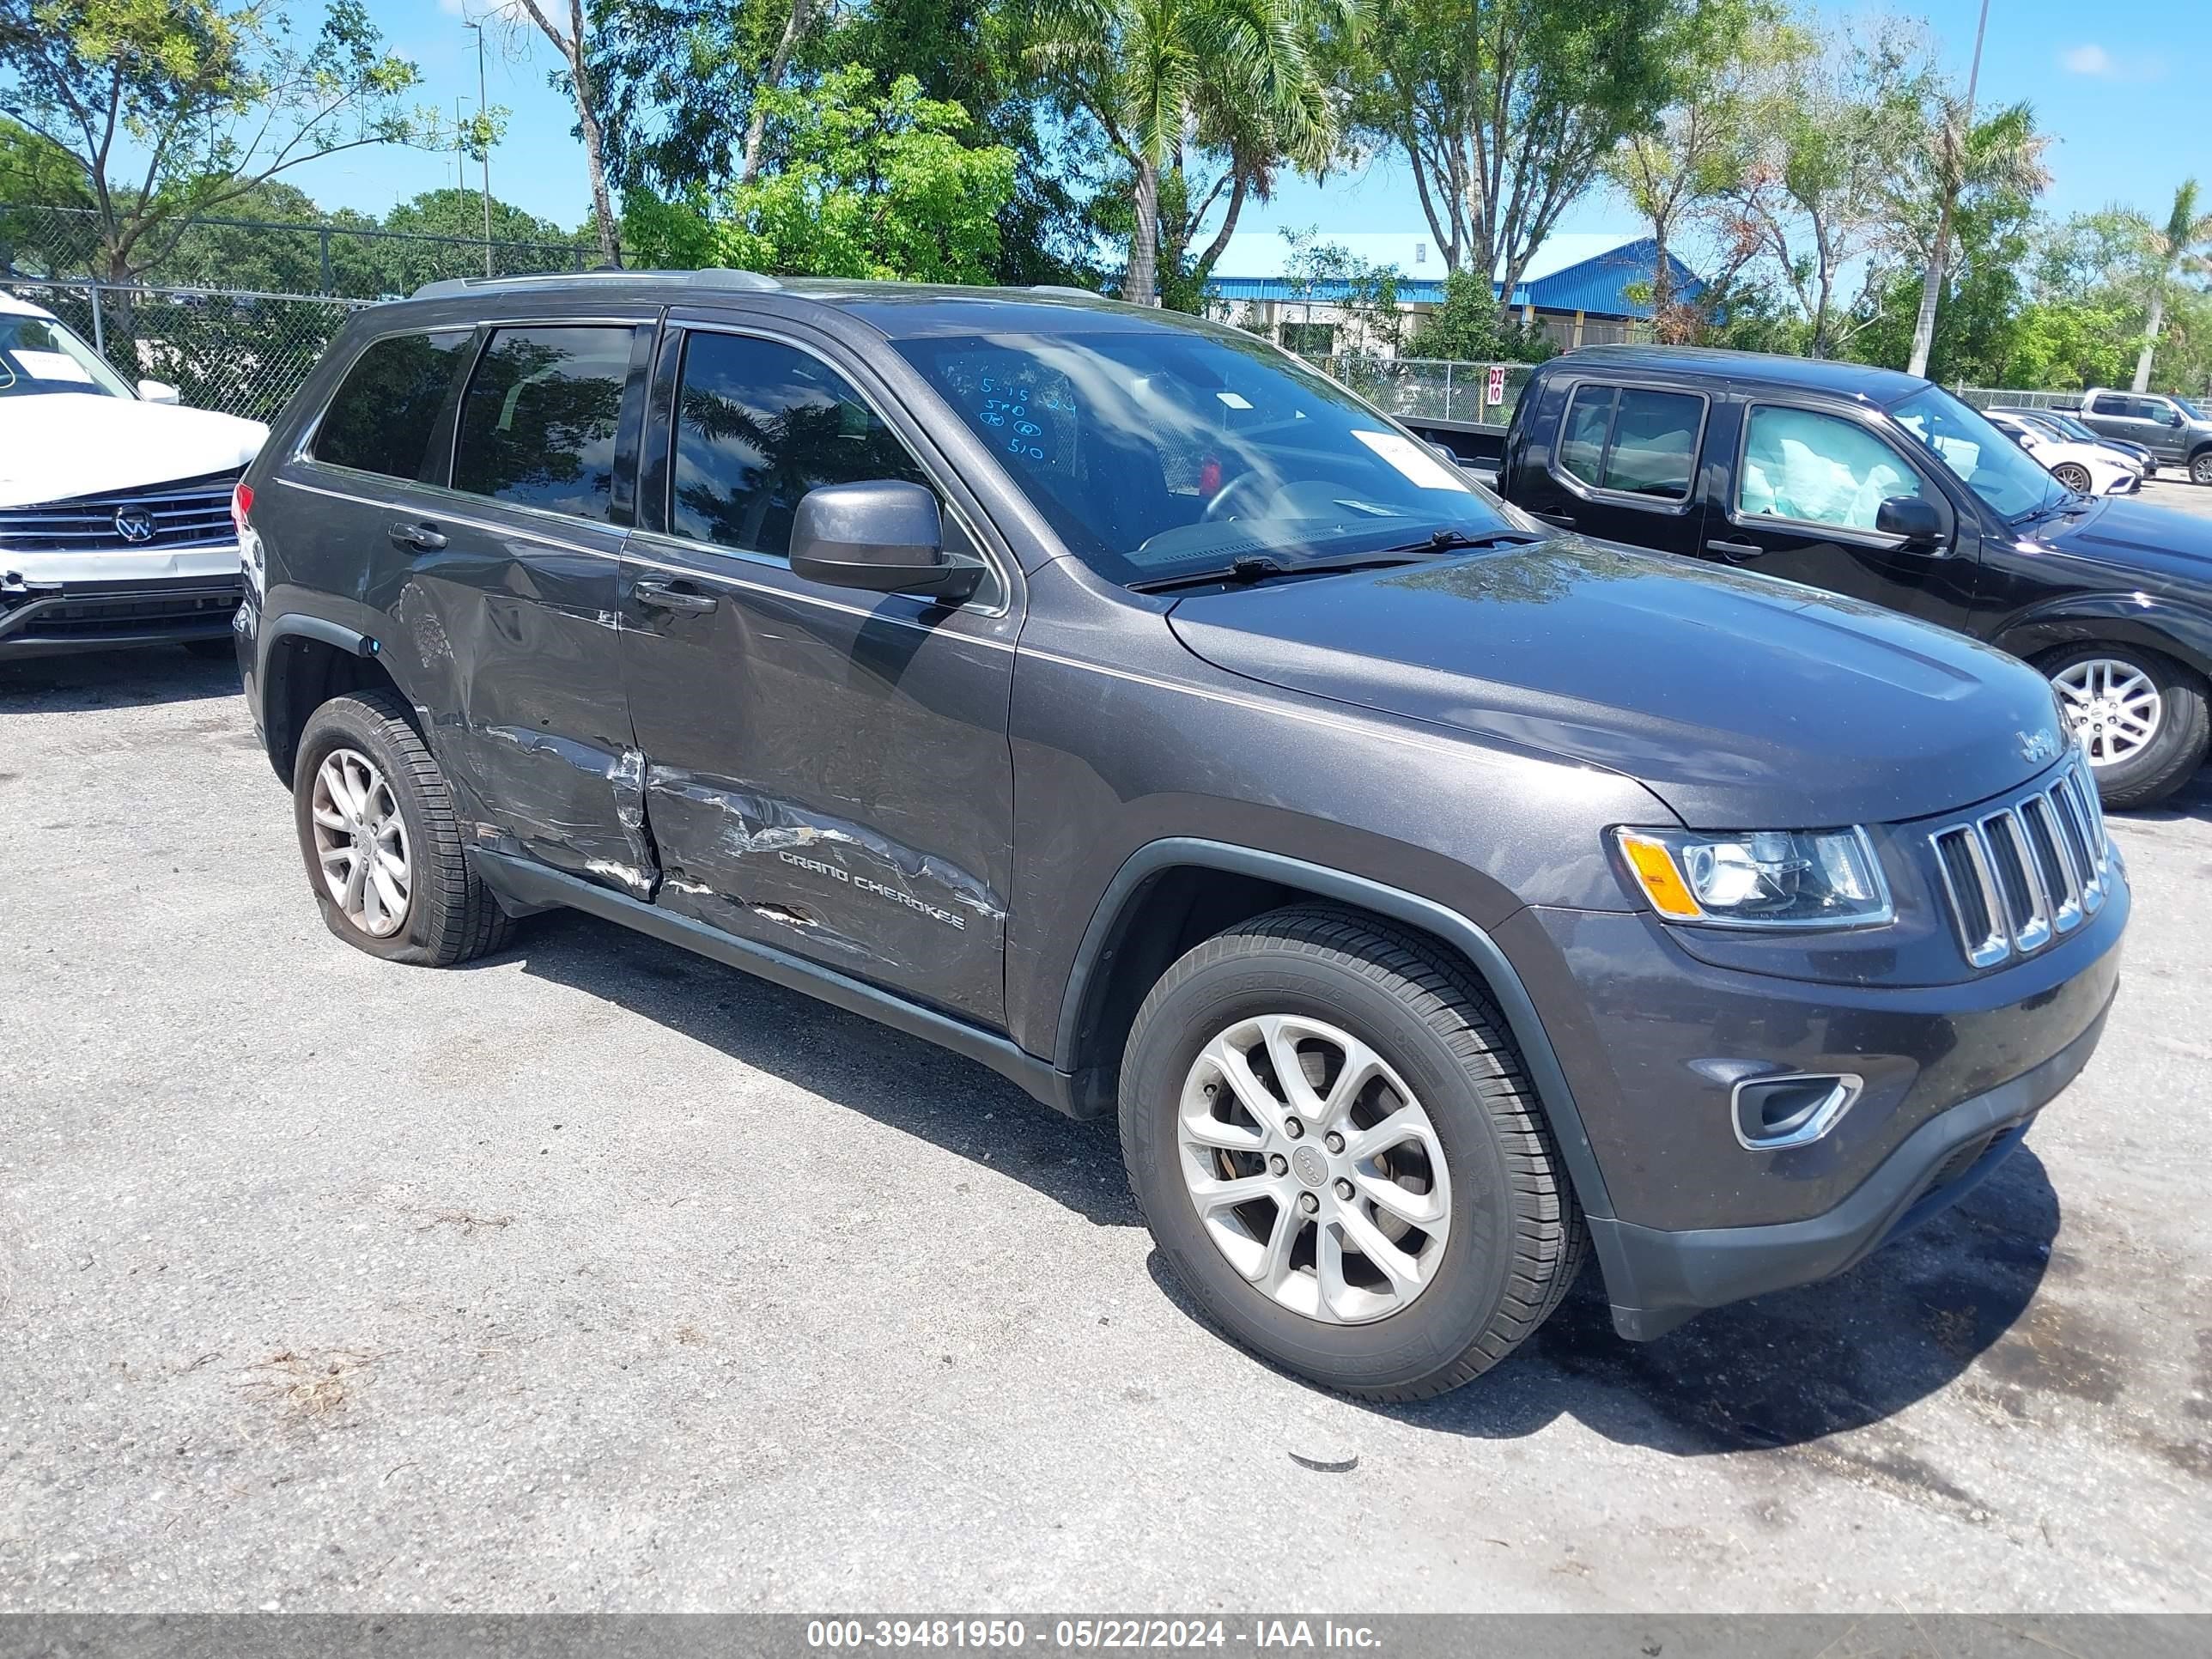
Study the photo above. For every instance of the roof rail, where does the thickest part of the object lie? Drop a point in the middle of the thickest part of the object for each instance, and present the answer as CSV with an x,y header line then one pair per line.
x,y
712,276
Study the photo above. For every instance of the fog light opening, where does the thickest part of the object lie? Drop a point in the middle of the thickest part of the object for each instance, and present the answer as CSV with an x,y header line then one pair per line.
x,y
1770,1114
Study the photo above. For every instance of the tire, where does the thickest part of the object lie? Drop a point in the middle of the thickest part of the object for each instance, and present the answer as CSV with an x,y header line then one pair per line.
x,y
449,915
213,650
2076,478
1512,1237
2200,467
2178,742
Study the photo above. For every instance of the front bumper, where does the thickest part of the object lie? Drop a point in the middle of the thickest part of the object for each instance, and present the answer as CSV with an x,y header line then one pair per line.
x,y
1656,1279
1652,1038
121,608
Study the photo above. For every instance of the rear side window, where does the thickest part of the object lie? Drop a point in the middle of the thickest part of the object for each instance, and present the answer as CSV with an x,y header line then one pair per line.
x,y
380,419
538,421
758,425
1633,439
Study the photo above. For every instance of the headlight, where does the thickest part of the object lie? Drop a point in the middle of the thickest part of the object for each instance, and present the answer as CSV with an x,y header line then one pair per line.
x,y
1760,878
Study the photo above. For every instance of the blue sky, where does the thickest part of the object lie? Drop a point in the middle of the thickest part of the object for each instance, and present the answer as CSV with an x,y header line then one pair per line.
x,y
2120,86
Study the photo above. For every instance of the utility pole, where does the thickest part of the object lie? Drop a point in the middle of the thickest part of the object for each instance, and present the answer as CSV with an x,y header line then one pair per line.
x,y
1931,289
483,134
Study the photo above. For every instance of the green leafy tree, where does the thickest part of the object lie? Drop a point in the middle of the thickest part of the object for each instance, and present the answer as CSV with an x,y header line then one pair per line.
x,y
1682,174
1965,167
1837,126
1165,81
869,184
171,109
1469,328
678,80
1506,110
2165,253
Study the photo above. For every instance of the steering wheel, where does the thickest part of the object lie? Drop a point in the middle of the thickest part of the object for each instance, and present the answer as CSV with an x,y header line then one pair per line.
x,y
1218,508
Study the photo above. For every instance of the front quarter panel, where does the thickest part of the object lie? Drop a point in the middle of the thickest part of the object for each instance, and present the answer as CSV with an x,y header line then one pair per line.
x,y
1123,737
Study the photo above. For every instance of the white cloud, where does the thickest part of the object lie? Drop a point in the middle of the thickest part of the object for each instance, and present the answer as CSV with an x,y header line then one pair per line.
x,y
2094,61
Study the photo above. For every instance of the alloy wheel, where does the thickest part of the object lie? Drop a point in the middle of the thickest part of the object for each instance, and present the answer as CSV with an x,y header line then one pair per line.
x,y
361,842
2200,469
1314,1169
2075,479
2113,707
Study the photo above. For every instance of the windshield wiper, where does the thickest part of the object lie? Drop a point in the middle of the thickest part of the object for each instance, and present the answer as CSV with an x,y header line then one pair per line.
x,y
1258,567
1452,541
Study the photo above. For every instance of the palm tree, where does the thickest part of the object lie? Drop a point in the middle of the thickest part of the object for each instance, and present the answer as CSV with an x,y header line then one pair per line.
x,y
2166,254
2000,157
1159,75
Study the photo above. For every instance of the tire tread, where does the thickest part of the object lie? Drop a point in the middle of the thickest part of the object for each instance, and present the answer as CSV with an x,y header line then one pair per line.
x,y
463,919
1550,1241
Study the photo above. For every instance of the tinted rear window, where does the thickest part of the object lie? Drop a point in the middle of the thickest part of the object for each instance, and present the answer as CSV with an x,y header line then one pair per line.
x,y
380,419
537,423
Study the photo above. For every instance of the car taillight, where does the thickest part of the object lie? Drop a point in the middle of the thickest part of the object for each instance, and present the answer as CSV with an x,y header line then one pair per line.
x,y
241,503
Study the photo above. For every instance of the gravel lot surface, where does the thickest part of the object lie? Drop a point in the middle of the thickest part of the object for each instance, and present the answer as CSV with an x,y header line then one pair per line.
x,y
599,1275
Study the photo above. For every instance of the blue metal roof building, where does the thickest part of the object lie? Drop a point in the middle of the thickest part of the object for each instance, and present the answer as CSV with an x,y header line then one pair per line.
x,y
1585,303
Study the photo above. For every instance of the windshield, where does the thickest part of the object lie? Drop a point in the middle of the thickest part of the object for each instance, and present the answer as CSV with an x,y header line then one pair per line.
x,y
2005,477
37,355
1159,452
2066,425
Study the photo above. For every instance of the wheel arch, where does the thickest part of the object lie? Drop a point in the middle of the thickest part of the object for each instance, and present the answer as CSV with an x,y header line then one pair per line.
x,y
2181,632
305,661
1202,887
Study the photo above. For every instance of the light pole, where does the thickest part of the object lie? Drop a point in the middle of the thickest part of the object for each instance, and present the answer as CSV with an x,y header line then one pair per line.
x,y
483,136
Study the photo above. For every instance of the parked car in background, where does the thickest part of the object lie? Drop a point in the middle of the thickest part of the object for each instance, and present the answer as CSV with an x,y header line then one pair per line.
x,y
2087,469
1878,485
115,526
2067,429
2173,429
1102,693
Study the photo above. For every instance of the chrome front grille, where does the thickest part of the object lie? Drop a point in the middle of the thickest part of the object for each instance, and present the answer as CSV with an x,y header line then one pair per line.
x,y
187,512
2028,872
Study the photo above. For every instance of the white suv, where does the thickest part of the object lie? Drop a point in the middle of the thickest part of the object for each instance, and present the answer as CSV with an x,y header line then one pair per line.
x,y
115,523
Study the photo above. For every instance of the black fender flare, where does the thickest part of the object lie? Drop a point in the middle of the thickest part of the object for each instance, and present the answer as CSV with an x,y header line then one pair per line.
x,y
301,624
2181,631
1491,964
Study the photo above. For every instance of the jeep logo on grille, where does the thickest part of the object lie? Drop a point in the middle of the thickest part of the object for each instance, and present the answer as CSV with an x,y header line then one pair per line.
x,y
134,524
2037,747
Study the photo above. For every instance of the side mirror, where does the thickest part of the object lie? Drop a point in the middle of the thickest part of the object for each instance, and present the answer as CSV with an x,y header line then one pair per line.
x,y
885,536
1912,518
157,391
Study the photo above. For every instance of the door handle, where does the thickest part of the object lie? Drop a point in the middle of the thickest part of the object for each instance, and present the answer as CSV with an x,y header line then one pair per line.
x,y
661,595
1734,552
417,538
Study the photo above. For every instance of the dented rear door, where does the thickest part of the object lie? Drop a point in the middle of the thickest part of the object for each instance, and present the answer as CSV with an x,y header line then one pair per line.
x,y
503,581
827,770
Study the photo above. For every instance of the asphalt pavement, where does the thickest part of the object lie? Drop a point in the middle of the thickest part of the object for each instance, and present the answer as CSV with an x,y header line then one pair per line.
x,y
601,1276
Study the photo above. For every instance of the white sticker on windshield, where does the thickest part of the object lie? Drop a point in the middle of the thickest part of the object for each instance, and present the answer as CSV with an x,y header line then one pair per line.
x,y
53,366
1419,465
1234,399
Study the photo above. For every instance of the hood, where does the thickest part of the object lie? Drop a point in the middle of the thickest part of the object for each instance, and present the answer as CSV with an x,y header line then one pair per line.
x,y
61,445
2147,546
1744,702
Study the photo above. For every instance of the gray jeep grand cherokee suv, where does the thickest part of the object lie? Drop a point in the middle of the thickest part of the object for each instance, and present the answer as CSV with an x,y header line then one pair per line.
x,y
1104,696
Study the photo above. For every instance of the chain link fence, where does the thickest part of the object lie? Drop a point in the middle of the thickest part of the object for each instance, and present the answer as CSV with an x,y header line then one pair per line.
x,y
238,352
1989,396
334,258
235,313
1432,388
